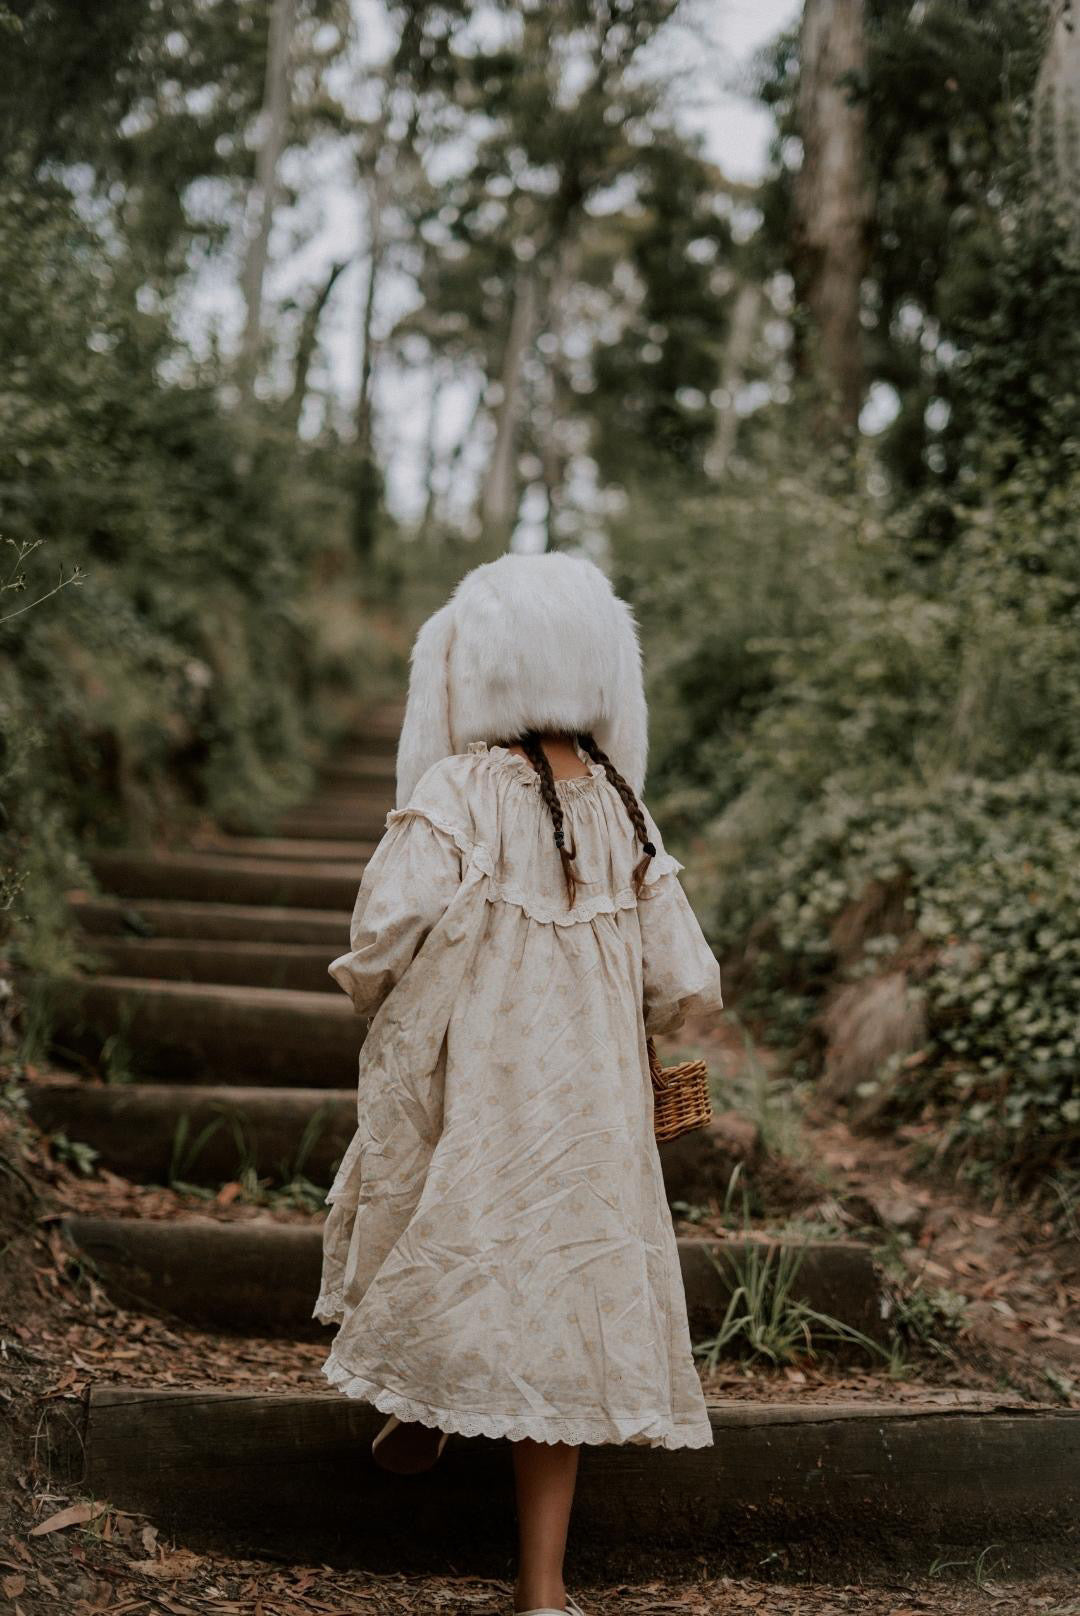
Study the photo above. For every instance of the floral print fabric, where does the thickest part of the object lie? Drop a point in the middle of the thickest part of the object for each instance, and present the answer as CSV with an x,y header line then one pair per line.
x,y
499,1255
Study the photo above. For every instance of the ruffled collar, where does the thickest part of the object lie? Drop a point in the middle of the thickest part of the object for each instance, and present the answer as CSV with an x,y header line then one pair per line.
x,y
502,757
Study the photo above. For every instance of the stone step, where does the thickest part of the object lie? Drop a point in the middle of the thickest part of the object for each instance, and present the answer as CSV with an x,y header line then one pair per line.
x,y
839,1490
149,1132
210,922
264,1276
186,959
212,878
299,848
188,1030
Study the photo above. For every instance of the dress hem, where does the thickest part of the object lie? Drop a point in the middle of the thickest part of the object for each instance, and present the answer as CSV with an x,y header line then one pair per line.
x,y
651,1430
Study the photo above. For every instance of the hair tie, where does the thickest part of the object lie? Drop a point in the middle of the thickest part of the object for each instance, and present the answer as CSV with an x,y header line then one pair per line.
x,y
649,849
558,838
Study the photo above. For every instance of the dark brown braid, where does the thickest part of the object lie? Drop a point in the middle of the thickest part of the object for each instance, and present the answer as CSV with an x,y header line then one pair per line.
x,y
532,746
630,803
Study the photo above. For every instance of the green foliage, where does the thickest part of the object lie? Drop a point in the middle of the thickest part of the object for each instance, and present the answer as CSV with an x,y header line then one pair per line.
x,y
765,1317
993,876
832,716
187,673
75,1154
151,101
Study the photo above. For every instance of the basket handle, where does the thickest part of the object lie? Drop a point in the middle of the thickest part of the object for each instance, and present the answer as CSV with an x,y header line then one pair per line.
x,y
656,1070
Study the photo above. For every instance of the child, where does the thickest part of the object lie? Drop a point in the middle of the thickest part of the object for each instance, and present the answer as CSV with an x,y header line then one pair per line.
x,y
499,1255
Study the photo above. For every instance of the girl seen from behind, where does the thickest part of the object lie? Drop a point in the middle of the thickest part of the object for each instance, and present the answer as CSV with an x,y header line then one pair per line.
x,y
499,1256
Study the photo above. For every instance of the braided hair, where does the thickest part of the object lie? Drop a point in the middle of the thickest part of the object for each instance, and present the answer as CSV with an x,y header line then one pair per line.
x,y
630,803
532,746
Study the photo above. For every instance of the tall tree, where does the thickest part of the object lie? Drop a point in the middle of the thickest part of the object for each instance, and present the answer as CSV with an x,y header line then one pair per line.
x,y
307,340
832,206
948,87
745,316
1056,123
499,499
273,127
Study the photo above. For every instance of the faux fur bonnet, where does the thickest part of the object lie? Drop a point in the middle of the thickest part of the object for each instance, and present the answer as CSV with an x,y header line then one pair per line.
x,y
526,642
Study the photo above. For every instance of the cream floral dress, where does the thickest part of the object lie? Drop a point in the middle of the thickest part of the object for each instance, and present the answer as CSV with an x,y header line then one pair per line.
x,y
499,1255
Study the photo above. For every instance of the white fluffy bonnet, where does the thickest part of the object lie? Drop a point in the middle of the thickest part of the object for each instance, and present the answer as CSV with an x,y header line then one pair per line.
x,y
525,642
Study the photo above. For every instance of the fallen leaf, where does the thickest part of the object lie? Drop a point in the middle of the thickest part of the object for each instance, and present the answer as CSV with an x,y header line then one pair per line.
x,y
179,1564
74,1515
13,1585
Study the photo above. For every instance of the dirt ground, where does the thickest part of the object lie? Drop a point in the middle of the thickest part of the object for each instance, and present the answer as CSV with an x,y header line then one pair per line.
x,y
1013,1275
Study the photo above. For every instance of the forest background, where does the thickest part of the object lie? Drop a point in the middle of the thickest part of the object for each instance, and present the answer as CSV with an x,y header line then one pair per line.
x,y
861,645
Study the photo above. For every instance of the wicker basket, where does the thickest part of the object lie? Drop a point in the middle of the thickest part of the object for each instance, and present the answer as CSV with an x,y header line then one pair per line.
x,y
681,1098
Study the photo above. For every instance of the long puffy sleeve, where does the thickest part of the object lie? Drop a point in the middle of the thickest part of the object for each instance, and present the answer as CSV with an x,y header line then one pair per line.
x,y
681,976
406,888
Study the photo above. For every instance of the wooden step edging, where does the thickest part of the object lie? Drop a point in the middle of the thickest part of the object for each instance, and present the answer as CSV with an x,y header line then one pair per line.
x,y
218,878
294,849
360,773
837,1489
264,1275
330,823
192,1029
209,922
154,1133
293,966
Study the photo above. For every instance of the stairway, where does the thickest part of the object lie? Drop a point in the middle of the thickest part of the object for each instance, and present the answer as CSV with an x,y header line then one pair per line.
x,y
212,971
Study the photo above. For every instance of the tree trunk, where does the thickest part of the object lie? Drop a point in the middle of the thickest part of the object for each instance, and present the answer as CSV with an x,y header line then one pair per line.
x,y
366,486
305,346
500,492
740,342
1056,124
367,357
431,453
553,456
456,457
830,240
273,121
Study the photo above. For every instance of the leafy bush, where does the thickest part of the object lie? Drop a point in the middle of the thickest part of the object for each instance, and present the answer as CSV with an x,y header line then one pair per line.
x,y
189,672
829,714
992,875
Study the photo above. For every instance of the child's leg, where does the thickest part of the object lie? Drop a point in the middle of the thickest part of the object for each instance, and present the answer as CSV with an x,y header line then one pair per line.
x,y
544,1478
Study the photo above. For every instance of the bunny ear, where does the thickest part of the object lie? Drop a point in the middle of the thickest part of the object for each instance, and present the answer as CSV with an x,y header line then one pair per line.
x,y
425,732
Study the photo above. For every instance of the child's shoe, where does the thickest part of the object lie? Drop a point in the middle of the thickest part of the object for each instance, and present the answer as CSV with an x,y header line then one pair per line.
x,y
407,1448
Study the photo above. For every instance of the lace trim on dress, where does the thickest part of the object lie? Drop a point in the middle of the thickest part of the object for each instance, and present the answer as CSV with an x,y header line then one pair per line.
x,y
587,909
652,1430
535,907
528,776
330,1308
475,852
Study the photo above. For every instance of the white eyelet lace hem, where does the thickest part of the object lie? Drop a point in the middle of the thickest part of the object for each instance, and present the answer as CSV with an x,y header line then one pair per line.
x,y
648,1430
